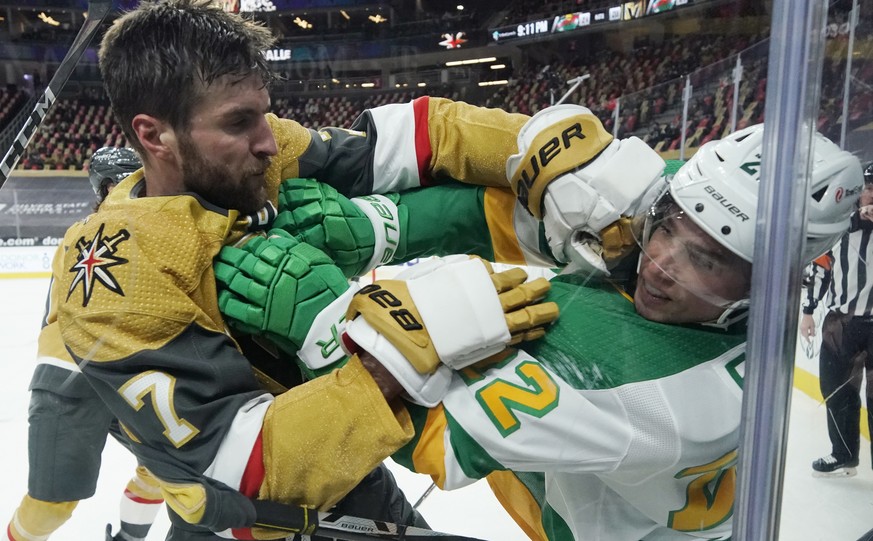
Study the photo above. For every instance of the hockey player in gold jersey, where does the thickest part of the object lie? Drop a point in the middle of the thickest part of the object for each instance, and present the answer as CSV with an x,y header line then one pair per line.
x,y
139,312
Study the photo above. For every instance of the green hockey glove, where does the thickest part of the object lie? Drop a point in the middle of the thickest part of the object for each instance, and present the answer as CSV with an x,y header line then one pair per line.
x,y
359,233
285,290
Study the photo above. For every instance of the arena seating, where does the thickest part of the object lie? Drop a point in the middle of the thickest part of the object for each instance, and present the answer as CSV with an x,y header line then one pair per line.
x,y
646,86
12,99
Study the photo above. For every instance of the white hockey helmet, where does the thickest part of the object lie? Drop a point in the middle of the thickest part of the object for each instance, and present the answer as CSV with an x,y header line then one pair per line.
x,y
718,190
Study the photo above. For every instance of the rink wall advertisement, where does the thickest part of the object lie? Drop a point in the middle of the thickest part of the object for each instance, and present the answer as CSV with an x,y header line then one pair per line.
x,y
35,210
26,261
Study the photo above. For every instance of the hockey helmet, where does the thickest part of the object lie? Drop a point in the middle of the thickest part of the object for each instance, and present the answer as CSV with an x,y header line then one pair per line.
x,y
868,173
109,166
718,190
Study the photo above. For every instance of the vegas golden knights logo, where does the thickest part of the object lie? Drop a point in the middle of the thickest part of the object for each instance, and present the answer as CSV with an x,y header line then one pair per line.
x,y
95,259
632,10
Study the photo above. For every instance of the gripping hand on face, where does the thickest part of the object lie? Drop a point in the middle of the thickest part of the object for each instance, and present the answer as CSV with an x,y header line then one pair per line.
x,y
446,313
359,233
584,185
286,291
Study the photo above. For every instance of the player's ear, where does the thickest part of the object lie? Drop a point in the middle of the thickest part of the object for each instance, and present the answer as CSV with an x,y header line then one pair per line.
x,y
157,137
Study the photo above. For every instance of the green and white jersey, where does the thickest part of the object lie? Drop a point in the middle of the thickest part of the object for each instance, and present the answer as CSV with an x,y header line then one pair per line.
x,y
614,427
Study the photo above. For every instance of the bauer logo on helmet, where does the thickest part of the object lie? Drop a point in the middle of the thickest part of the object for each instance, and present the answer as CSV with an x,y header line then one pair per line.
x,y
723,201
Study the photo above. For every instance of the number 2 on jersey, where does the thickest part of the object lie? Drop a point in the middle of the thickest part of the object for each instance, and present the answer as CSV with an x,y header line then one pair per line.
x,y
500,398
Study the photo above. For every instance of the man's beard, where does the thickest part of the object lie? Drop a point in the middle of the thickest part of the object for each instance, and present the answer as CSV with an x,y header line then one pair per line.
x,y
244,191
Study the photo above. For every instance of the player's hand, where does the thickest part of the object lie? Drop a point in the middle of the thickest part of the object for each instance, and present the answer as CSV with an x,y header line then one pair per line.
x,y
284,290
446,313
358,234
866,213
585,186
807,327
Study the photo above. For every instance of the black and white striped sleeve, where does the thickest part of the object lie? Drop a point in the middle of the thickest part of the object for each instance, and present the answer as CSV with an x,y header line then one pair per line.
x,y
816,281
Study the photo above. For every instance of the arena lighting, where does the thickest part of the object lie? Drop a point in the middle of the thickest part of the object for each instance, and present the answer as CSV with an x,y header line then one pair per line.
x,y
460,7
377,18
422,84
302,23
471,61
498,66
368,85
344,14
47,19
492,83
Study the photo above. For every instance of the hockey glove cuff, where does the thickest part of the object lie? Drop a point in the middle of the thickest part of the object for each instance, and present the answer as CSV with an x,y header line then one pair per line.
x,y
358,234
455,310
581,182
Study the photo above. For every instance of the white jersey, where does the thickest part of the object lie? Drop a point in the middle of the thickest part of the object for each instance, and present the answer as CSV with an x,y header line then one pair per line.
x,y
614,428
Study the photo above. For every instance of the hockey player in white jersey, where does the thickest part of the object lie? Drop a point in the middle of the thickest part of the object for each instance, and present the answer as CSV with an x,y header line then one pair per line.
x,y
613,427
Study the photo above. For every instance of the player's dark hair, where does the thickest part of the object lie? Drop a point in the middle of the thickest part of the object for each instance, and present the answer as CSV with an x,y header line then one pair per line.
x,y
161,57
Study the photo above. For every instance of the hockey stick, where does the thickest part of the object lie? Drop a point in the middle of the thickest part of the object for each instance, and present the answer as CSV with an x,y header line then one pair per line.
x,y
98,10
356,528
424,495
299,520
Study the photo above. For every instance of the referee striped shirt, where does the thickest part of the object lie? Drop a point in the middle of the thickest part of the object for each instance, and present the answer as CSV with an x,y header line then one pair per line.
x,y
845,276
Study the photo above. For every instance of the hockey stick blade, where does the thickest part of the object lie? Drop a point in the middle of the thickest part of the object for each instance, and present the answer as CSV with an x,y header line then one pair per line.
x,y
303,521
98,10
349,528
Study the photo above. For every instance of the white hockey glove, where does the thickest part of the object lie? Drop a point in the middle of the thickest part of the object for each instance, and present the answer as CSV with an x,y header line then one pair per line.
x,y
445,314
584,185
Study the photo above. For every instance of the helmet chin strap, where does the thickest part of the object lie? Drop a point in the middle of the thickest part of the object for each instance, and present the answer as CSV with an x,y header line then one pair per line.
x,y
736,311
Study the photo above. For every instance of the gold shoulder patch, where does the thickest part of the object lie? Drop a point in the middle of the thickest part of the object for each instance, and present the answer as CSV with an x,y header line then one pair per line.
x,y
137,274
292,140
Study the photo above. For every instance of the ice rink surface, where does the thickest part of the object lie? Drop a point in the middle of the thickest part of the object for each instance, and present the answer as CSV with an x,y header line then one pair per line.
x,y
813,509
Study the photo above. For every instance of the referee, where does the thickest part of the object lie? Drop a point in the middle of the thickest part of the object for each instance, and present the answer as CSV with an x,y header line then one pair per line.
x,y
845,275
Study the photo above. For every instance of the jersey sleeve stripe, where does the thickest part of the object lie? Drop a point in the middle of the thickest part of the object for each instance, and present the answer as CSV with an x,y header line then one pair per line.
x,y
429,454
66,364
395,162
232,464
515,497
251,481
423,150
499,209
